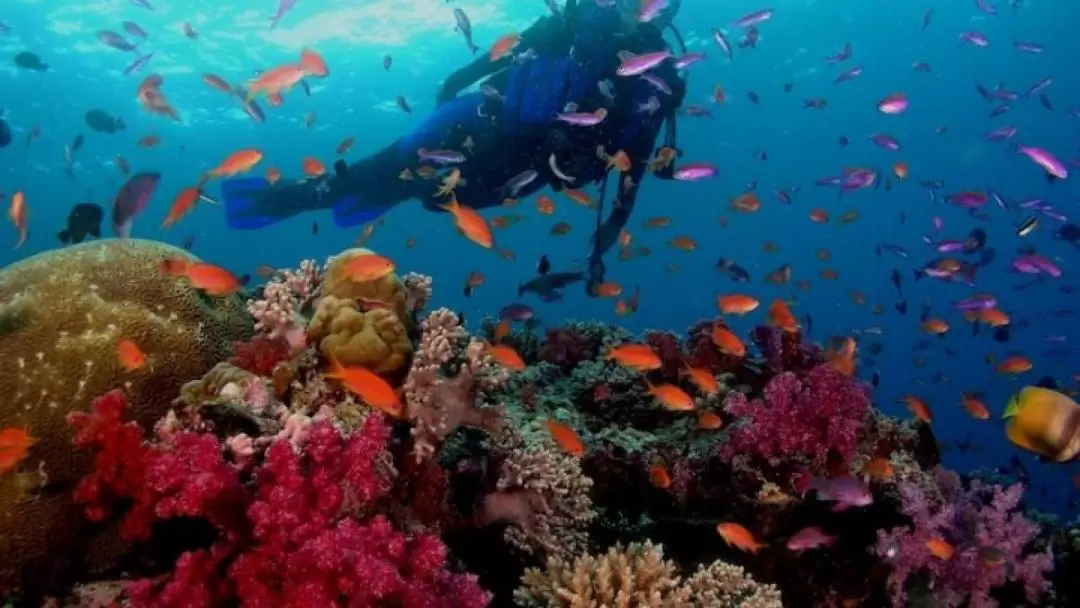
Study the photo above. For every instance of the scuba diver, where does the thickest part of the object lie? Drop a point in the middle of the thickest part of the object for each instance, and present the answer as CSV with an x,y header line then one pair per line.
x,y
507,140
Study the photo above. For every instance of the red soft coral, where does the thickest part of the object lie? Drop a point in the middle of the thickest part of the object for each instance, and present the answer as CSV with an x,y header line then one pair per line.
x,y
300,531
260,355
669,349
816,418
565,348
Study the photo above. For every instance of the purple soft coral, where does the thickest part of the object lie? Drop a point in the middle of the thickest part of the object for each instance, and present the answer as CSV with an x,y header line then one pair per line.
x,y
988,536
813,417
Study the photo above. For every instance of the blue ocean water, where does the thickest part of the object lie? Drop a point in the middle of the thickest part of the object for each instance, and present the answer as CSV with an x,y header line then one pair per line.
x,y
358,100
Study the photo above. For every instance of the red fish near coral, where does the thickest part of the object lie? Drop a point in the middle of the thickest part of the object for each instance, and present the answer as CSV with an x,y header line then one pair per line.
x,y
14,444
214,280
566,437
735,535
367,385
635,356
129,355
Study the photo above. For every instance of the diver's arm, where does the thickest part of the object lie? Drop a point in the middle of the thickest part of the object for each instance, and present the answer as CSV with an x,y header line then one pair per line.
x,y
483,66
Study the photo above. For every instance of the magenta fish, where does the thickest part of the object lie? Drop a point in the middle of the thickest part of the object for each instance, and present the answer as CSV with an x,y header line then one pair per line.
x,y
445,157
968,200
695,171
849,74
131,200
1039,86
722,42
921,66
633,65
1028,47
975,38
138,63
1002,133
986,7
885,141
650,9
1053,167
844,491
1044,265
142,4
982,301
843,55
284,6
659,83
895,103
808,538
584,119
133,28
754,18
688,59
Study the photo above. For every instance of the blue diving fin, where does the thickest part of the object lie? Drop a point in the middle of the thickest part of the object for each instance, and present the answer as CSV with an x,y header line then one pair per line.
x,y
242,204
350,211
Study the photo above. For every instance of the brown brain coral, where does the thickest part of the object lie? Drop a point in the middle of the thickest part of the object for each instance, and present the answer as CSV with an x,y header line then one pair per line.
x,y
61,315
375,339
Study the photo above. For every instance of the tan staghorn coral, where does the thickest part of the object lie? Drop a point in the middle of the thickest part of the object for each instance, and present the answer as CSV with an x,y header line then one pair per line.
x,y
389,290
724,585
61,315
375,339
438,405
639,577
635,577
544,495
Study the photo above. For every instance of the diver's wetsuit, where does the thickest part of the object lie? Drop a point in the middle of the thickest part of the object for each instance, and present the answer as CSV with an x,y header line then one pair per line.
x,y
5,133
511,131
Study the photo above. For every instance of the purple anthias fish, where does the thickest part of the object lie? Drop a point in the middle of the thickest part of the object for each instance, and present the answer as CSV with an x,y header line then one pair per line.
x,y
722,42
138,63
1002,133
843,55
1033,263
946,246
846,492
885,141
695,171
657,82
920,66
584,119
688,59
133,28
1028,47
131,200
516,312
849,74
754,18
142,4
284,6
650,9
967,200
810,537
1047,161
633,65
445,157
857,179
975,38
986,7
999,110
114,40
976,303
1039,86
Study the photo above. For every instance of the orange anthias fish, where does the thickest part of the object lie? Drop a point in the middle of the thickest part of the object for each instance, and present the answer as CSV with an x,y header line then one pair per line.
x,y
313,167
344,146
880,469
471,223
367,385
313,64
635,356
213,280
566,437
935,326
506,356
670,396
702,379
545,205
974,406
129,355
503,46
237,163
683,242
780,316
580,198
747,202
273,175
727,342
735,535
1014,365
17,213
919,408
501,331
900,170
15,444
184,203
842,359
607,289
364,268
659,476
736,304
709,421
940,549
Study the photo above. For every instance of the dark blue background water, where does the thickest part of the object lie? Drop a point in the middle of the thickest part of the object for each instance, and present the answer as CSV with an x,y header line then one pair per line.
x,y
358,100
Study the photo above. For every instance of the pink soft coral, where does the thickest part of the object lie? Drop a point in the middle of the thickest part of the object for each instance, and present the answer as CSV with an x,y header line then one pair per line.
x,y
300,530
815,418
989,537
260,355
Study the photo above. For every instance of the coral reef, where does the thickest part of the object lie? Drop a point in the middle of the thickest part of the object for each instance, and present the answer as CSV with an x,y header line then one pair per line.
x,y
990,538
552,472
62,314
640,576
